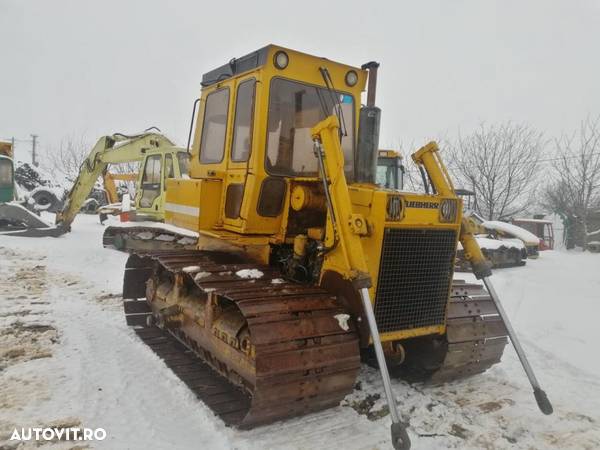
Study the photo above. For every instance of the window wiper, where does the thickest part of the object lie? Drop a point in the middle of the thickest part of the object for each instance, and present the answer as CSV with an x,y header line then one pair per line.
x,y
337,105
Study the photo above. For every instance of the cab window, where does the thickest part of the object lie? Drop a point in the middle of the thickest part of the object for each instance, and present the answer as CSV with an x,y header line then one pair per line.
x,y
183,159
214,127
151,181
169,170
294,108
242,131
152,170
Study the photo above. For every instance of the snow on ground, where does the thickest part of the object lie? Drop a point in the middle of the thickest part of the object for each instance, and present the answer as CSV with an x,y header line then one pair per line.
x,y
67,357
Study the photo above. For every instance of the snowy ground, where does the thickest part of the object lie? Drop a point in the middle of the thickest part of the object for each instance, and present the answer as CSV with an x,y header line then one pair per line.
x,y
67,358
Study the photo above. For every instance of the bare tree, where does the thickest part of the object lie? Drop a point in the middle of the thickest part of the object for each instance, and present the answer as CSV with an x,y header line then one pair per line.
x,y
499,163
66,160
576,189
67,157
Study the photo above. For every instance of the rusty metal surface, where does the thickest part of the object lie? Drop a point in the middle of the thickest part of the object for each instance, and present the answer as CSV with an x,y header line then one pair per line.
x,y
288,355
155,239
229,403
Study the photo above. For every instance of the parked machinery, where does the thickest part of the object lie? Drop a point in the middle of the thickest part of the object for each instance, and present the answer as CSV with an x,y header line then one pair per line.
x,y
15,217
303,262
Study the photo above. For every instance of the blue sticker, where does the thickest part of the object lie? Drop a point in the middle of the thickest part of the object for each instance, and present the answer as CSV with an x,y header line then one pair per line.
x,y
346,98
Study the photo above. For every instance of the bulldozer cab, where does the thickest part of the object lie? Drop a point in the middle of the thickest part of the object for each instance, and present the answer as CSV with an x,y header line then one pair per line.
x,y
255,183
254,135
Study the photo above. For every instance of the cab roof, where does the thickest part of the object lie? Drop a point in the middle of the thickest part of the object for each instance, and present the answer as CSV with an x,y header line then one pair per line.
x,y
243,64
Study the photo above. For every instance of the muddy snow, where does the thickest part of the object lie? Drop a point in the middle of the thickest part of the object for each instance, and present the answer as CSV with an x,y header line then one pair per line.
x,y
68,358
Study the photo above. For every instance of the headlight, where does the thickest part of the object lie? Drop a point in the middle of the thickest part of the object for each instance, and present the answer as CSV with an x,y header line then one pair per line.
x,y
395,208
281,60
448,211
351,78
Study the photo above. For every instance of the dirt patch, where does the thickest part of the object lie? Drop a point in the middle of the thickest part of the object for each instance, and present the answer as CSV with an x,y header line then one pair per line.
x,y
31,280
110,300
493,406
365,407
24,342
20,313
458,431
17,391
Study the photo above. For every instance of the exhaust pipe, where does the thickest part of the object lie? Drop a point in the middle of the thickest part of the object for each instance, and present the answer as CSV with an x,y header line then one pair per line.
x,y
368,131
372,83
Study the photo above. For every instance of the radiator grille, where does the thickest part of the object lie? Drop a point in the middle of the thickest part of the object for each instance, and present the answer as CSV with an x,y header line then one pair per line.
x,y
414,278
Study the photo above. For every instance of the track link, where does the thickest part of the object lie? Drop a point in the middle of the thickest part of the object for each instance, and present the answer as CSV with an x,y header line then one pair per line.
x,y
227,402
475,333
279,352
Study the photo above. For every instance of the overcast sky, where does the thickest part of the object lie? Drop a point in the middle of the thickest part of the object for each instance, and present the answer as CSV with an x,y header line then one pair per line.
x,y
73,68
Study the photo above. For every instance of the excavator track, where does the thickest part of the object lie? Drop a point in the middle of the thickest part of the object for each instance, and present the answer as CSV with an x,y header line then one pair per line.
x,y
271,349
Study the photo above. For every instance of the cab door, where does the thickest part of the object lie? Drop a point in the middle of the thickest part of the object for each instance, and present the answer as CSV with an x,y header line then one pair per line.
x,y
236,182
149,197
212,167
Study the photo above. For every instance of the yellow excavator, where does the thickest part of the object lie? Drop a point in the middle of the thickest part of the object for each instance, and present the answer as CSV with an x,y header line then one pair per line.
x,y
303,264
159,161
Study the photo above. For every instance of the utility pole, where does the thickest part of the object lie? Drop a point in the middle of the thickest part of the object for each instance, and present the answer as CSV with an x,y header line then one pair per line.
x,y
33,145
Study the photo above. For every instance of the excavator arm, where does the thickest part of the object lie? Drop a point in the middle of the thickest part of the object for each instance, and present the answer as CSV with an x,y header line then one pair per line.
x,y
115,149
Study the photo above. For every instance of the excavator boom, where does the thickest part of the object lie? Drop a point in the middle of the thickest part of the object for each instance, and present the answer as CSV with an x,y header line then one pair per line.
x,y
115,149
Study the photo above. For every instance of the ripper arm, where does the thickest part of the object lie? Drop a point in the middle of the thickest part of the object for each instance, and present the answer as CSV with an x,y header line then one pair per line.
x,y
428,157
344,229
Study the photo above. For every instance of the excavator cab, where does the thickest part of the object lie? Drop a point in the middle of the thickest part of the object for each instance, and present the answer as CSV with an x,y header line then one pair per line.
x,y
157,168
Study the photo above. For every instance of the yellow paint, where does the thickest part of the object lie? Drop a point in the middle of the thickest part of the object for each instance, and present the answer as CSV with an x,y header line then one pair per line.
x,y
412,333
353,236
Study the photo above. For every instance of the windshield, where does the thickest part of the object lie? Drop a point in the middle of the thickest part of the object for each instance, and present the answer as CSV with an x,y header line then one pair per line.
x,y
6,176
389,173
295,108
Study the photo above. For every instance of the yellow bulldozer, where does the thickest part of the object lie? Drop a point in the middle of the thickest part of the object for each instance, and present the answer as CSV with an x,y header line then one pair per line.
x,y
303,264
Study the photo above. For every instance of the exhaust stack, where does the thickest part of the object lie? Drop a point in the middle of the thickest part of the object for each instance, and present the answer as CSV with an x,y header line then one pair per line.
x,y
368,131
